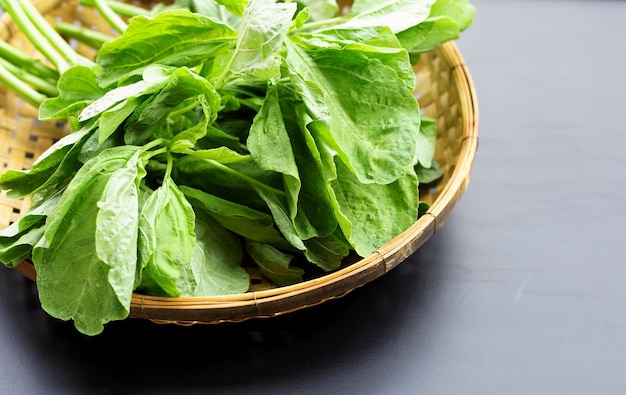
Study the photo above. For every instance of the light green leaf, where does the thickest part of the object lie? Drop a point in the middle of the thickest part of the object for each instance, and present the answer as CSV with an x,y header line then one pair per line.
x,y
460,11
236,7
75,228
313,199
321,9
220,154
111,119
376,42
217,11
149,121
56,163
216,261
188,137
426,141
166,239
78,88
171,38
18,239
230,184
427,175
398,15
261,35
372,118
370,215
270,145
15,250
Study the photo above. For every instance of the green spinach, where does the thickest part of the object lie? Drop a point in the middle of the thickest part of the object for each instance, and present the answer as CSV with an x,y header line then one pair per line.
x,y
213,134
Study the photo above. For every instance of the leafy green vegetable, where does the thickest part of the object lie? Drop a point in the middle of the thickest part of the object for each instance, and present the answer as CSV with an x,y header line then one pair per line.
x,y
166,239
216,262
91,234
217,132
172,38
373,129
274,264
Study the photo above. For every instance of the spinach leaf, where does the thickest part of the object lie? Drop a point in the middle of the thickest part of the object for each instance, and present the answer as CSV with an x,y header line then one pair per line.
x,y
236,7
166,239
426,140
321,9
172,38
18,239
215,263
327,252
261,34
397,14
57,162
234,181
372,118
153,80
376,42
313,198
389,209
274,264
78,88
150,121
269,143
91,235
239,219
446,21
14,250
220,154
428,174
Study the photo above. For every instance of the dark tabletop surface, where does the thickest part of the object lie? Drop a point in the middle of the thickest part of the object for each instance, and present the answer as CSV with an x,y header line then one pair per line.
x,y
522,292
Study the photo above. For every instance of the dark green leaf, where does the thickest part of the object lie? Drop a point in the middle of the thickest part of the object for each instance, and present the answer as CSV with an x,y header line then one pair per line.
x,y
274,264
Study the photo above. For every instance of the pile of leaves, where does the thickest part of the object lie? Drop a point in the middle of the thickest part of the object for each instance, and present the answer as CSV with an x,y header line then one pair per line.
x,y
207,131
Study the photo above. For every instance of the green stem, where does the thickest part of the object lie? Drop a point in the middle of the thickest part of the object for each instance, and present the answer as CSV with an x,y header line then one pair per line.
x,y
20,88
244,177
110,16
124,9
39,84
90,37
322,23
23,61
219,84
33,34
152,144
52,36
170,166
177,113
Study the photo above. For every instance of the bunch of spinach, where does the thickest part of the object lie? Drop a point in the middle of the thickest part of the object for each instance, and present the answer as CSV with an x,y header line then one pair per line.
x,y
211,130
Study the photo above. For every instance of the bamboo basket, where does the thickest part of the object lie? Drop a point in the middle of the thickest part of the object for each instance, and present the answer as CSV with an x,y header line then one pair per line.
x,y
445,92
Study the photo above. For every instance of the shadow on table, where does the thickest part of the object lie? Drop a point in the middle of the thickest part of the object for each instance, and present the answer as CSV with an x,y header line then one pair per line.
x,y
143,356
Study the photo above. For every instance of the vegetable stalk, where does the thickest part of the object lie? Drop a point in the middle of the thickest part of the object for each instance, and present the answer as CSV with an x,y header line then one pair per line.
x,y
20,87
52,36
92,38
123,9
110,16
34,35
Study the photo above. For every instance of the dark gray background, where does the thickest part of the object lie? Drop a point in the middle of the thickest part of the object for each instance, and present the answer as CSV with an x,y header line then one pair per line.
x,y
522,292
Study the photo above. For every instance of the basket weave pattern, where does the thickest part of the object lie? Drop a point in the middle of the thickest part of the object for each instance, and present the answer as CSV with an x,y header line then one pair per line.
x,y
445,92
